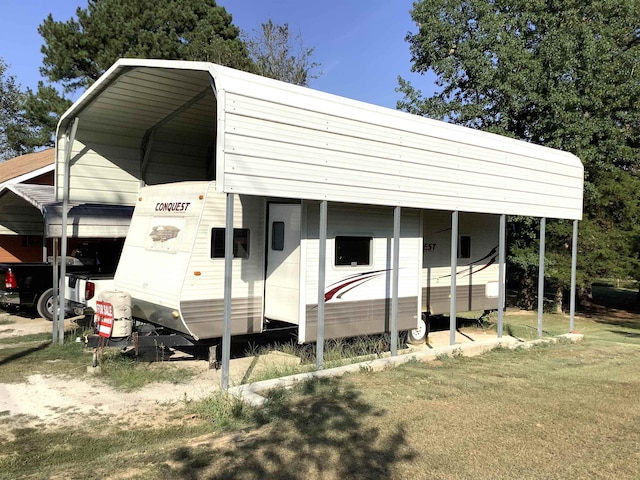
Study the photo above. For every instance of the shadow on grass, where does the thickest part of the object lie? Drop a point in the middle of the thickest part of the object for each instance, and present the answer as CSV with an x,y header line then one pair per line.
x,y
630,323
24,353
616,298
626,334
327,429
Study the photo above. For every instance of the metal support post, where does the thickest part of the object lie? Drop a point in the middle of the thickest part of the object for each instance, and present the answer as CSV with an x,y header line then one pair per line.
x,y
322,260
574,263
543,226
56,263
501,272
59,289
228,269
394,280
454,271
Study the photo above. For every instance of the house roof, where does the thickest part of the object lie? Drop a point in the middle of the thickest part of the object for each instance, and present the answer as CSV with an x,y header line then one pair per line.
x,y
27,166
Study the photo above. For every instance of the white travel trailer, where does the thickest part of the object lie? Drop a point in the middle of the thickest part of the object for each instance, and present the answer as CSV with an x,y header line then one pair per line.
x,y
275,150
172,264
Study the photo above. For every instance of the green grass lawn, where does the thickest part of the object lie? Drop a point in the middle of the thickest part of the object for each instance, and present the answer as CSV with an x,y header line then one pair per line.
x,y
551,411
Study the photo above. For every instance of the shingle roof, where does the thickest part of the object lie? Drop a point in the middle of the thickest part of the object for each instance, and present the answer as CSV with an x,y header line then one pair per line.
x,y
26,164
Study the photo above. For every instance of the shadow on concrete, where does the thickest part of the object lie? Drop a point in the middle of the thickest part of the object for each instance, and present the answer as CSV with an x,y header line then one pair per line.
x,y
330,431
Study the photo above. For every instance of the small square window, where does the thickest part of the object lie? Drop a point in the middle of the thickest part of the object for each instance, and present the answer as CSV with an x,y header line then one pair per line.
x,y
240,243
352,251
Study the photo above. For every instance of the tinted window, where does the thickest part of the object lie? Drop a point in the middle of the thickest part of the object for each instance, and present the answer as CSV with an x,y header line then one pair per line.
x,y
277,236
240,243
352,250
464,246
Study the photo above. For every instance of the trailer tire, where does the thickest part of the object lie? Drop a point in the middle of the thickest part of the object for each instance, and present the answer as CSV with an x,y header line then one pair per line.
x,y
417,336
45,305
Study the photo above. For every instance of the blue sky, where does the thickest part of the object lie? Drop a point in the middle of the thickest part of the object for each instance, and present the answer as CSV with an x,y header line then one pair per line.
x,y
359,43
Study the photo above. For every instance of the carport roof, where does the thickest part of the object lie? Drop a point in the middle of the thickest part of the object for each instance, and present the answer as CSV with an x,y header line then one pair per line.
x,y
36,195
84,220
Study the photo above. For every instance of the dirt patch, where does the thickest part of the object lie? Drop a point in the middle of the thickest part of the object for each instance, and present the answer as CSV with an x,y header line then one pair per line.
x,y
48,401
17,326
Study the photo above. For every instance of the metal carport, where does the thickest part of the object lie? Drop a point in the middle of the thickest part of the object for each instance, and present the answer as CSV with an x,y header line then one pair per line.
x,y
156,121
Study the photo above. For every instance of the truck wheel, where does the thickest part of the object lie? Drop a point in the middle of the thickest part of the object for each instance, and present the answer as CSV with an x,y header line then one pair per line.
x,y
45,305
418,335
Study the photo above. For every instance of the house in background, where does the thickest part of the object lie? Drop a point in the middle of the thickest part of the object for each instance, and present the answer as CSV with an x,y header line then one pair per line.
x,y
31,219
26,184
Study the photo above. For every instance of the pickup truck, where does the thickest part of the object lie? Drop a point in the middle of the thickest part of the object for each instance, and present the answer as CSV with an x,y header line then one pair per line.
x,y
30,285
84,290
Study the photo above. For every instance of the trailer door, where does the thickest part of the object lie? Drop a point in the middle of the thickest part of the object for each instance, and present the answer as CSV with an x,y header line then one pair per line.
x,y
282,284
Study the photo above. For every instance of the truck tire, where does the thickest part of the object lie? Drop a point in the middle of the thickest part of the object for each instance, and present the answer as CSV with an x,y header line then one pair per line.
x,y
418,335
45,305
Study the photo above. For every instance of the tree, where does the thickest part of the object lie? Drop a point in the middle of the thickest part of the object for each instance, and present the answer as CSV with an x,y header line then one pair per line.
x,y
10,101
278,55
77,52
37,119
560,73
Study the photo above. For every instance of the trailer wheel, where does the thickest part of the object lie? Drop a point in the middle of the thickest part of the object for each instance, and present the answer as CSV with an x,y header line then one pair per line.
x,y
418,335
45,305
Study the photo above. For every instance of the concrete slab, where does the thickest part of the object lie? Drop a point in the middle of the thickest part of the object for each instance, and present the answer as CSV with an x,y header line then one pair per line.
x,y
467,344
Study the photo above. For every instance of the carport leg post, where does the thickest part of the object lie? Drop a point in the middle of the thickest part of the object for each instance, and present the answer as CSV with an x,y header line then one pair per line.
x,y
322,260
56,263
574,264
394,281
454,272
501,271
60,292
228,265
543,227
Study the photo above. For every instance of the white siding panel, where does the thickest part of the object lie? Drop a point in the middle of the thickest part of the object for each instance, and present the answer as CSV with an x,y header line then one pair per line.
x,y
365,221
484,233
358,195
248,274
329,154
154,272
106,174
342,169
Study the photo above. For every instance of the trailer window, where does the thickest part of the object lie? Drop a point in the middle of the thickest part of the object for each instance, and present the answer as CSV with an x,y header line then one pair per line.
x,y
464,246
353,250
277,236
240,243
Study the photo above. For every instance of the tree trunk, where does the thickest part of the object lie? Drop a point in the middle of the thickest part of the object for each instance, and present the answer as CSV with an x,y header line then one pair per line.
x,y
527,294
585,296
559,298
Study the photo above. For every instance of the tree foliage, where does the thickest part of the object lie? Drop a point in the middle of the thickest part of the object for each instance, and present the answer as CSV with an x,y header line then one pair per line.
x,y
11,98
560,73
280,55
78,51
27,119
